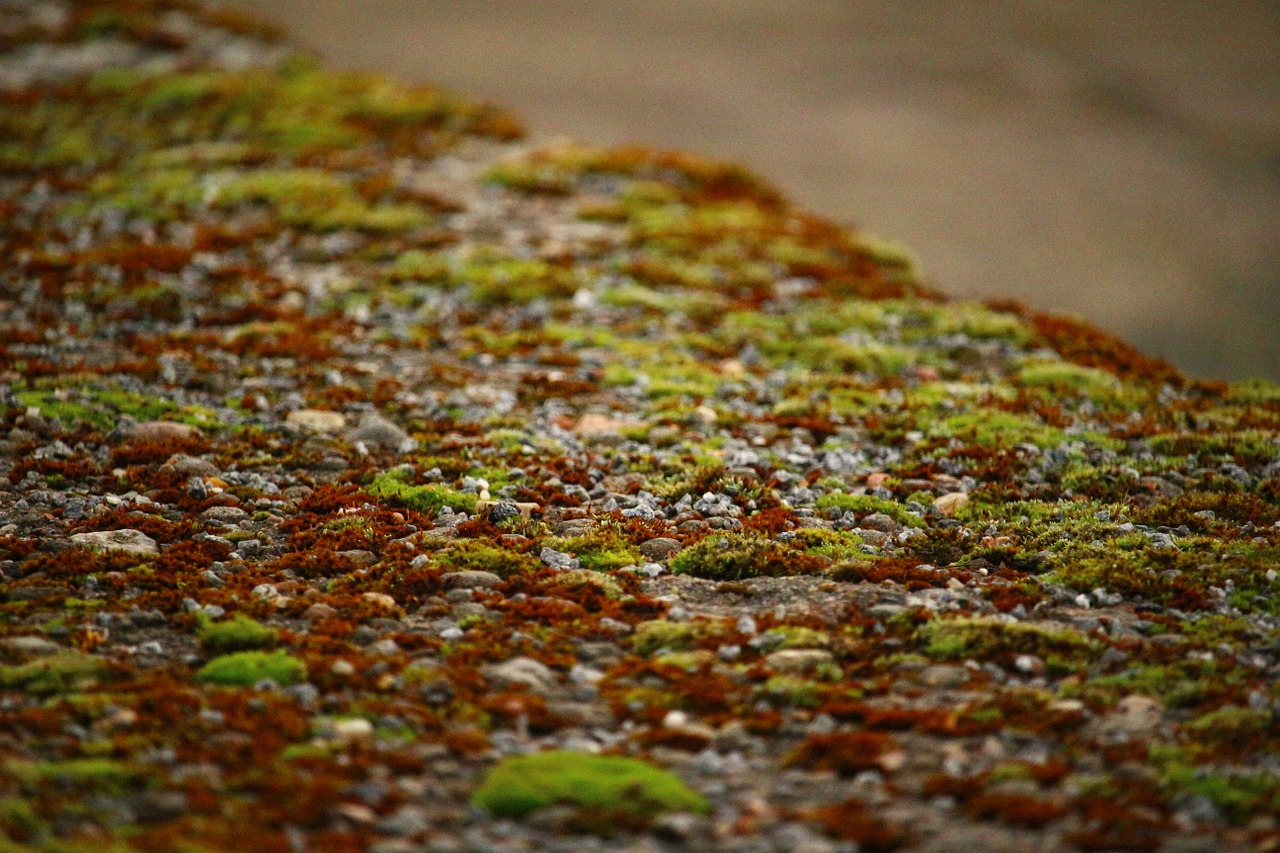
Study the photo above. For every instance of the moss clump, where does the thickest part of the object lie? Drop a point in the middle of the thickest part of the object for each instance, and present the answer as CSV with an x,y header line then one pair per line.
x,y
237,634
516,280
417,265
476,555
733,556
316,199
519,785
957,639
395,484
1238,795
65,672
987,428
829,544
100,407
601,549
866,505
244,669
1064,376
101,774
657,634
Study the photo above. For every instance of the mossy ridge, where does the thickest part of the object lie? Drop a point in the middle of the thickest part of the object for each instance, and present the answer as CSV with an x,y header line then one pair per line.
x,y
522,784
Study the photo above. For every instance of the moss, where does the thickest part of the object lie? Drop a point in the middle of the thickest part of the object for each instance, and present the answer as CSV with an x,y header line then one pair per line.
x,y
64,672
566,583
655,634
316,199
482,556
602,549
498,279
987,428
1063,376
395,485
792,691
519,785
102,774
418,265
244,669
1063,648
1245,447
1239,795
98,406
19,819
733,556
1185,684
237,634
866,505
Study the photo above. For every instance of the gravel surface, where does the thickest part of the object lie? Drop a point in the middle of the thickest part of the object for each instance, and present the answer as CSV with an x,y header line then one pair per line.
x,y
354,452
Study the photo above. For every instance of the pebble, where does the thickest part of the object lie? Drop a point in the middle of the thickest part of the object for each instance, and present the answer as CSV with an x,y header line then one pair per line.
x,y
317,420
128,540
660,548
521,671
377,431
471,580
161,431
798,661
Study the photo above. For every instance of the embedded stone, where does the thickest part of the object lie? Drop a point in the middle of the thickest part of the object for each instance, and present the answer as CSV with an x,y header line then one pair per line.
x,y
161,431
128,539
317,420
798,661
660,548
521,671
951,503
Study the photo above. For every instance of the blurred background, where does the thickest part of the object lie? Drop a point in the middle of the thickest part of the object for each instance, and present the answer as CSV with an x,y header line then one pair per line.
x,y
1117,161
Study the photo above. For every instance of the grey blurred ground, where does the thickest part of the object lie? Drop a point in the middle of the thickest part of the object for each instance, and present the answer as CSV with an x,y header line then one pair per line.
x,y
1116,160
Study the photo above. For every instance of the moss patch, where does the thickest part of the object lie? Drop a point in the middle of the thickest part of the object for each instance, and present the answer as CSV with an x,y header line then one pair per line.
x,y
516,786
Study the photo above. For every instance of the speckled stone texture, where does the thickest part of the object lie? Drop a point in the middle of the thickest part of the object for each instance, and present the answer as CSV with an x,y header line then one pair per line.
x,y
417,448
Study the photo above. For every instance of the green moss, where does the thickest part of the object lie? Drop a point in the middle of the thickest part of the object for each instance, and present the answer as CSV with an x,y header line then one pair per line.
x,y
867,505
585,579
1253,392
733,556
395,485
64,672
1185,684
18,818
482,556
316,199
522,784
244,669
1229,725
792,691
991,428
100,774
1062,648
98,406
657,634
1239,795
418,265
1246,447
237,634
1064,376
500,279
602,549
